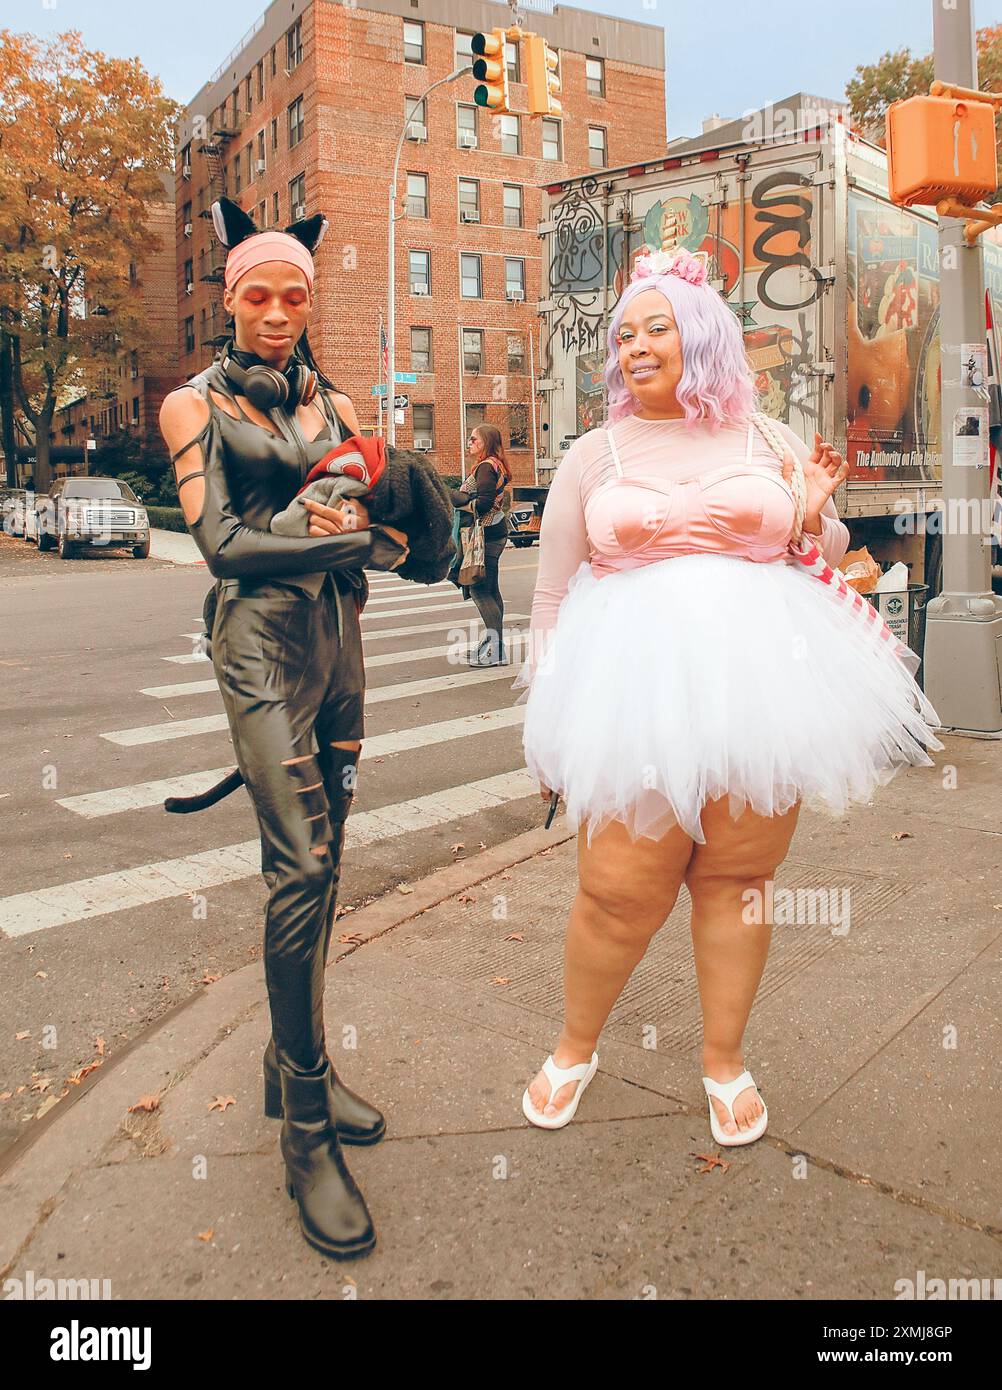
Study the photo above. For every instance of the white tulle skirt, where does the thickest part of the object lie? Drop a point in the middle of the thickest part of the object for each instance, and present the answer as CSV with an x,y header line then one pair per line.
x,y
703,676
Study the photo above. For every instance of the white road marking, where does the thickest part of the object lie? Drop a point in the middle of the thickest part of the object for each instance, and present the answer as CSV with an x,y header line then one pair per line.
x,y
429,627
143,794
212,723
24,913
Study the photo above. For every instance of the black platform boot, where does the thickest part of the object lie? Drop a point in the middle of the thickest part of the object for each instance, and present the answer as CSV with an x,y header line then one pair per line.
x,y
332,1212
357,1121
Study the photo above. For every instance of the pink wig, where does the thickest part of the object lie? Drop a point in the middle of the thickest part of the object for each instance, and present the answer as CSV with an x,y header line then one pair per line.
x,y
717,384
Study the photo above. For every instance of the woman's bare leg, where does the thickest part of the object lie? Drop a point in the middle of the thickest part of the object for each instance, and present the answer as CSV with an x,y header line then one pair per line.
x,y
626,891
730,950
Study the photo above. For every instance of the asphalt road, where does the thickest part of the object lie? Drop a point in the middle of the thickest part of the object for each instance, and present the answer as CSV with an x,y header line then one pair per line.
x,y
113,912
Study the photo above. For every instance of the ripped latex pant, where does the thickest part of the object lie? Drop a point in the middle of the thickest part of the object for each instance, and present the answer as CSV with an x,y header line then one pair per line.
x,y
292,693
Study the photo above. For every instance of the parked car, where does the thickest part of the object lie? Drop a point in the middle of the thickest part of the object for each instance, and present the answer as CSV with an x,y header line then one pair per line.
x,y
101,512
526,514
12,508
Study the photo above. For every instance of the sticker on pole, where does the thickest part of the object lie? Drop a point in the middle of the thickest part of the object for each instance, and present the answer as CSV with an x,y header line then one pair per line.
x,y
970,437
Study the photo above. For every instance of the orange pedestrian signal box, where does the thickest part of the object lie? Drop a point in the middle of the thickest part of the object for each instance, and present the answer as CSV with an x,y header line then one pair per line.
x,y
941,147
541,77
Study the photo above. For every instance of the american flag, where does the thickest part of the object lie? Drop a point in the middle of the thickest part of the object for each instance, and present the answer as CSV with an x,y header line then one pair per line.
x,y
384,348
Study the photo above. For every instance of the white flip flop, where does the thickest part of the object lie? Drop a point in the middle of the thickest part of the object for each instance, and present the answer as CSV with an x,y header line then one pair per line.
x,y
727,1092
581,1072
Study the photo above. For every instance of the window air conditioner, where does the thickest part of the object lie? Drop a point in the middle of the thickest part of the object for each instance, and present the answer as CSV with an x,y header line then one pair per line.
x,y
417,132
186,171
187,229
260,166
134,373
419,289
516,295
299,212
467,140
467,216
190,287
423,443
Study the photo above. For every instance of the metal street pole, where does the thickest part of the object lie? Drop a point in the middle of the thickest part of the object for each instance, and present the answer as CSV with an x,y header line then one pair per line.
x,y
963,644
391,243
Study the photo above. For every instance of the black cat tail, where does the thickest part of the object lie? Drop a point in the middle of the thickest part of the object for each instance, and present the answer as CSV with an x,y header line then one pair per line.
x,y
181,805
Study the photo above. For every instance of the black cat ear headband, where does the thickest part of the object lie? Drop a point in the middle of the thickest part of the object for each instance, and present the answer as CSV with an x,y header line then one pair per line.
x,y
232,226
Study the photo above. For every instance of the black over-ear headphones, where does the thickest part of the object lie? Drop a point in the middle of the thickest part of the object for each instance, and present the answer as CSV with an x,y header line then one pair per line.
x,y
266,387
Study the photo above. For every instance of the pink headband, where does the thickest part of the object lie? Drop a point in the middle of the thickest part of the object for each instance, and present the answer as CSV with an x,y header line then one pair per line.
x,y
267,246
688,267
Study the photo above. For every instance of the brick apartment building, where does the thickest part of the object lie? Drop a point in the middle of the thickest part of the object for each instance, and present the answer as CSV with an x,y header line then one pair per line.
x,y
132,392
305,115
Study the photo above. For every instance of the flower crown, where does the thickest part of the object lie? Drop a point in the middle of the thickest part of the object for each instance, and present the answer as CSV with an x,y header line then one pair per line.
x,y
687,266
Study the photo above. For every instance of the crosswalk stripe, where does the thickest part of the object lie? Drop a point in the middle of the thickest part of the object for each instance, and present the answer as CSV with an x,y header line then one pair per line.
x,y
142,794
412,597
514,644
191,659
212,723
63,904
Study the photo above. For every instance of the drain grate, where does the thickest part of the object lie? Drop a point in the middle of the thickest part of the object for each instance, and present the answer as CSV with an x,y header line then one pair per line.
x,y
662,991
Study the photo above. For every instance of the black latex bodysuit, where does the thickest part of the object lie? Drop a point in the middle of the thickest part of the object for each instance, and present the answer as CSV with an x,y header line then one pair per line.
x,y
288,658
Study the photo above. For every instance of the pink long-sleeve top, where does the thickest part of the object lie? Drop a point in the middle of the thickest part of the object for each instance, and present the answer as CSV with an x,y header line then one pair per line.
x,y
664,489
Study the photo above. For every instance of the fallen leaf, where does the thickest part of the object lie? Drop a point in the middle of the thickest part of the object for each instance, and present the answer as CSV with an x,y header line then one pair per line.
x,y
206,1235
404,888
515,936
99,1046
42,1084
711,1161
6,1095
147,1103
902,835
465,898
350,938
46,1106
20,1037
40,975
209,978
501,980
456,848
482,845
78,1076
221,1102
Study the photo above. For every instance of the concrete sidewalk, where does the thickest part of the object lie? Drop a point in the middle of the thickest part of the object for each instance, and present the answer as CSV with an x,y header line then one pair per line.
x,y
876,1051
176,546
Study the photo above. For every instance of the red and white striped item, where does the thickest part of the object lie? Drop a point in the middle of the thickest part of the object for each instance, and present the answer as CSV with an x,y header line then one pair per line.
x,y
810,561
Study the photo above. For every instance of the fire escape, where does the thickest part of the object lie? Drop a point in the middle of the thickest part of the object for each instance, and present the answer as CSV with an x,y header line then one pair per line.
x,y
213,149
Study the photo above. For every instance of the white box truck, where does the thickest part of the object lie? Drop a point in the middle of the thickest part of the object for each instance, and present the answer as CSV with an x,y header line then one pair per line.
x,y
836,288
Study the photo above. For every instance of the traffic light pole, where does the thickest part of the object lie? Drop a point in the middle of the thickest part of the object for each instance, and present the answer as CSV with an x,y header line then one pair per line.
x,y
391,246
963,643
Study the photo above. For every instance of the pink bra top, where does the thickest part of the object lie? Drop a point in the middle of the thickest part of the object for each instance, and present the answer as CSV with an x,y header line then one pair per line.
x,y
744,510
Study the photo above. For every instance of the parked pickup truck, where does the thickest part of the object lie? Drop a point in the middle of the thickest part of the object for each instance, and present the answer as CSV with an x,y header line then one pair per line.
x,y
101,512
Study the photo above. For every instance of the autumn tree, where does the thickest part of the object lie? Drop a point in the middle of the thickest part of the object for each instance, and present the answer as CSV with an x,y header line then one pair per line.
x,y
84,142
897,76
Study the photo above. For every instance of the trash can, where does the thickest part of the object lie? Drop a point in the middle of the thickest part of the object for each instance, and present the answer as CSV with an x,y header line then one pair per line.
x,y
904,614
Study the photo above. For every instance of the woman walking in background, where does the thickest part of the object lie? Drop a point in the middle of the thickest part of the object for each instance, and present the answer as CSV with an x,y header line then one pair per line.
x,y
482,494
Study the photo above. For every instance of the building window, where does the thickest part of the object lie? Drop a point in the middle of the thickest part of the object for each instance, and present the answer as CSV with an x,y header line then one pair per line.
x,y
274,209
134,355
595,77
297,197
186,157
274,61
294,46
476,414
464,49
415,114
250,162
473,350
552,142
513,205
511,58
419,266
296,122
261,214
135,410
469,274
516,353
185,215
260,81
236,106
413,41
248,98
417,195
597,154
511,139
237,175
518,427
189,275
514,277
189,334
466,127
469,200
421,350
424,424
260,148
133,277
274,134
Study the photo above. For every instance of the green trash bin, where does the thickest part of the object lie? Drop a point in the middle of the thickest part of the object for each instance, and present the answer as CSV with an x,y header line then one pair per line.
x,y
904,614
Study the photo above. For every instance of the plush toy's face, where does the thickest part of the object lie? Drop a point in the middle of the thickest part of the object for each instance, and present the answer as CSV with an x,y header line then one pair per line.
x,y
271,307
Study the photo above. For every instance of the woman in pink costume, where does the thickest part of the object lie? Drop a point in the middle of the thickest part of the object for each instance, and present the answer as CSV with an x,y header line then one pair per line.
x,y
698,670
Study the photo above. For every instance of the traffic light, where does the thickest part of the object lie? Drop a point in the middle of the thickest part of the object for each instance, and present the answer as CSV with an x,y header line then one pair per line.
x,y
541,76
490,68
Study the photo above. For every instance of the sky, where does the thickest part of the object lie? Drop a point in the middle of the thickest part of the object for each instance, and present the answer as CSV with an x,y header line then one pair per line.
x,y
722,57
